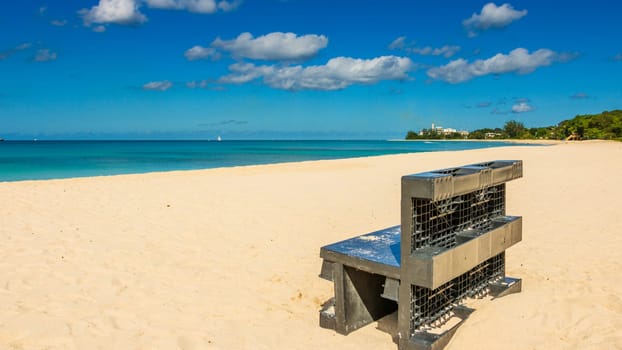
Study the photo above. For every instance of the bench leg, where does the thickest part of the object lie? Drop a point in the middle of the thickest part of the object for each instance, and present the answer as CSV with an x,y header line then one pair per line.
x,y
507,286
357,301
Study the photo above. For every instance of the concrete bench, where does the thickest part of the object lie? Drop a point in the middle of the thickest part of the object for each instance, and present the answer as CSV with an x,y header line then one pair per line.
x,y
450,245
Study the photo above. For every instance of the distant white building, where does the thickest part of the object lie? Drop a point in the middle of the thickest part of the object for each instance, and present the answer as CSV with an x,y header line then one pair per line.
x,y
446,131
491,135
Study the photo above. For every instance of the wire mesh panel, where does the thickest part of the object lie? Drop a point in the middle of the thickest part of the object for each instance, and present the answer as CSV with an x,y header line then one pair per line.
x,y
435,223
429,307
475,282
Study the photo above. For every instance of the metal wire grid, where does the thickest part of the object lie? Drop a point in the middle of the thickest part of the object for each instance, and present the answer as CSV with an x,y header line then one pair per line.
x,y
485,205
497,202
435,223
474,283
432,308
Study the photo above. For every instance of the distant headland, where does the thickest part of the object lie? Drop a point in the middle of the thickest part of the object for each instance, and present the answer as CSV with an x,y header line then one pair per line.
x,y
603,126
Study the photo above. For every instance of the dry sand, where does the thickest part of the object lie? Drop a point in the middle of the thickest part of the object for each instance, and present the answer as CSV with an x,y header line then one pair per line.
x,y
229,258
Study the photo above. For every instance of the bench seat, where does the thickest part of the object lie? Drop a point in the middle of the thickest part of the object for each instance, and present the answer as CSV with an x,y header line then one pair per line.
x,y
376,252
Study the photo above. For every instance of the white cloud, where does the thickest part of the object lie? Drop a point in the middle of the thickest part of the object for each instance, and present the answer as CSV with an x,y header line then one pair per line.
x,y
127,12
401,44
518,60
338,73
99,29
618,57
274,46
201,53
198,6
158,85
229,5
492,16
521,107
245,72
398,43
446,51
45,55
113,11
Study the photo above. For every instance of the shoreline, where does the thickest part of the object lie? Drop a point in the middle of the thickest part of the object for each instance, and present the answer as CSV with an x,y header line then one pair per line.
x,y
126,166
530,142
518,142
228,258
251,165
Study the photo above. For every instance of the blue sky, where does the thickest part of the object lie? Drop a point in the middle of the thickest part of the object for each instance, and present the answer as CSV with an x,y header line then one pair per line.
x,y
109,69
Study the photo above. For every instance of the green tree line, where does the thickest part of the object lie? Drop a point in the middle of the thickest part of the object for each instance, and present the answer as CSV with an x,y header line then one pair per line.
x,y
603,126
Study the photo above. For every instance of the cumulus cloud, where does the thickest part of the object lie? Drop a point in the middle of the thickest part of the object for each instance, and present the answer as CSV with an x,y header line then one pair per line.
x,y
518,60
198,6
446,51
127,12
244,72
275,46
522,107
45,55
401,44
229,5
124,12
158,85
398,43
492,16
338,73
201,53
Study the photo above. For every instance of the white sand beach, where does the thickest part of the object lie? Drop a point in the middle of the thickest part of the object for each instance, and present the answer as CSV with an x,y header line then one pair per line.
x,y
229,258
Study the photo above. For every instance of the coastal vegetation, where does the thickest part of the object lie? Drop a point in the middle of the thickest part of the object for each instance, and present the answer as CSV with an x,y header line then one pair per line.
x,y
431,134
603,126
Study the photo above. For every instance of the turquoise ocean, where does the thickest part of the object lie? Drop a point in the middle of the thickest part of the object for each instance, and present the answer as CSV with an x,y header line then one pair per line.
x,y
36,160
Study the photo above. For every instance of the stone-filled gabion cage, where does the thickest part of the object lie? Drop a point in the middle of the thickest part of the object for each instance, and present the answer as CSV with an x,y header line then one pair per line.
x,y
450,246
